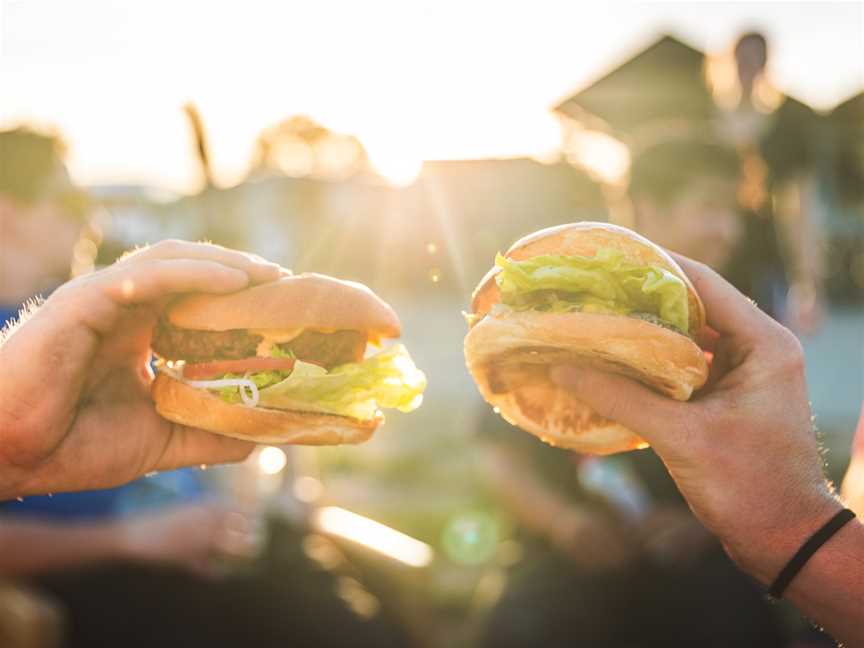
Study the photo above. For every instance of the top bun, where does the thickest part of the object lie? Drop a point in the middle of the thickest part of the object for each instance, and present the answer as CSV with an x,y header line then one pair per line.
x,y
585,239
297,301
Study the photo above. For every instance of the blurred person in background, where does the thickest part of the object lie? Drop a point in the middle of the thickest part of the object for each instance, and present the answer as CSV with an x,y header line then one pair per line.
x,y
780,262
846,185
684,198
615,557
137,565
42,215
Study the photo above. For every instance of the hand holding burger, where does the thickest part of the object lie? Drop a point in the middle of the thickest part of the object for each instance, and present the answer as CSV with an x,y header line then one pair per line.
x,y
75,405
744,454
76,410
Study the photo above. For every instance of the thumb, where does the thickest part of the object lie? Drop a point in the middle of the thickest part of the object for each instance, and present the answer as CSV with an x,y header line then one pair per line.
x,y
660,420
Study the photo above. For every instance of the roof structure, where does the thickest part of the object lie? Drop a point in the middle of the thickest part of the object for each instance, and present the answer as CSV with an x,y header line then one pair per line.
x,y
662,83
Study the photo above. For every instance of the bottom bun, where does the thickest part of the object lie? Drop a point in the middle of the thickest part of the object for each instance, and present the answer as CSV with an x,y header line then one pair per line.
x,y
199,408
509,358
534,403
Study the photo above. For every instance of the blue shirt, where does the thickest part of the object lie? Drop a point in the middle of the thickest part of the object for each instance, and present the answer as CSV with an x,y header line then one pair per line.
x,y
143,494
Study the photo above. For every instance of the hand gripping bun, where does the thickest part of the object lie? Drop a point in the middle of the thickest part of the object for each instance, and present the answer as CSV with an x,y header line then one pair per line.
x,y
509,353
199,408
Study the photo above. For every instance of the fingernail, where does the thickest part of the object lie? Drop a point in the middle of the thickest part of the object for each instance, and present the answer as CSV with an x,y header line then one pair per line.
x,y
261,261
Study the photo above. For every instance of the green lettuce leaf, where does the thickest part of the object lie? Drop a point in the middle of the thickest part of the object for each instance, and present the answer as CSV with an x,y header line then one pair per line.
x,y
604,283
278,352
358,389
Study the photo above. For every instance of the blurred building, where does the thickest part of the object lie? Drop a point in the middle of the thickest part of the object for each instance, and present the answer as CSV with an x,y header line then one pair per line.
x,y
661,85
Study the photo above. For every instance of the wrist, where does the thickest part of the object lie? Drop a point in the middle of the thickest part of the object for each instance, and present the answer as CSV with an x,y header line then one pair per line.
x,y
764,548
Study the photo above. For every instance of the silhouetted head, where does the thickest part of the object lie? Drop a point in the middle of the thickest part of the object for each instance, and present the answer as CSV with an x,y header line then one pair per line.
x,y
684,195
42,212
751,56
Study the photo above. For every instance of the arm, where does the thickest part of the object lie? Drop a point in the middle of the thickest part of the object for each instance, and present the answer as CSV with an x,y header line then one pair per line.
x,y
799,233
188,535
744,454
830,587
75,406
28,547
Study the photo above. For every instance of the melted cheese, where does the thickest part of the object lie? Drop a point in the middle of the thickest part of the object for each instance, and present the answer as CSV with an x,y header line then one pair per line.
x,y
269,337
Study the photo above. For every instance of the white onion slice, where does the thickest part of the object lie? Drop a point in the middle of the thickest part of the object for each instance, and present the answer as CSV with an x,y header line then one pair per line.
x,y
248,389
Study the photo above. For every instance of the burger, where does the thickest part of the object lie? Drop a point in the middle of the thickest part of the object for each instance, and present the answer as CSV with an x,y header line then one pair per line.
x,y
291,361
589,294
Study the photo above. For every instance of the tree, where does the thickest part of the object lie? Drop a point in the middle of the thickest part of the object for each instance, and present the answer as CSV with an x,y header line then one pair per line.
x,y
301,147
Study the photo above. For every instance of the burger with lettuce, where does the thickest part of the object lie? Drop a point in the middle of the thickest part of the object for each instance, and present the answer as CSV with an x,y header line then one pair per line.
x,y
298,360
589,294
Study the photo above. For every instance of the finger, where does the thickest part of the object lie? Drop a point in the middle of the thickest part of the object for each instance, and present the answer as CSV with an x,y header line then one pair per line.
x,y
724,359
708,339
727,310
193,447
258,269
153,279
662,421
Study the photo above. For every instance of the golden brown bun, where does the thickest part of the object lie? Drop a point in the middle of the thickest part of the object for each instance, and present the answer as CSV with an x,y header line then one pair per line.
x,y
298,301
199,408
509,353
584,239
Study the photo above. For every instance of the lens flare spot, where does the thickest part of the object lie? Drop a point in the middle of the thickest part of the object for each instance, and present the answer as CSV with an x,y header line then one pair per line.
x,y
307,489
271,460
471,538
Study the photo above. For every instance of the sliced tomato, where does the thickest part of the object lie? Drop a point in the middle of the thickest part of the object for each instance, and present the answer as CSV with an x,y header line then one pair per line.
x,y
204,370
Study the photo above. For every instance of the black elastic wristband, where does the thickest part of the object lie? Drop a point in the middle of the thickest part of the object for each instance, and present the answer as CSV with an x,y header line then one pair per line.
x,y
807,550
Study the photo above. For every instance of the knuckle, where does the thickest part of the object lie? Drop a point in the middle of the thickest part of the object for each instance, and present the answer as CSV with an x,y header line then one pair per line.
x,y
699,265
165,247
790,352
169,244
133,254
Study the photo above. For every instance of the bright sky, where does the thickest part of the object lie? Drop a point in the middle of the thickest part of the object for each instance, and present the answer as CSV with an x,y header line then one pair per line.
x,y
413,79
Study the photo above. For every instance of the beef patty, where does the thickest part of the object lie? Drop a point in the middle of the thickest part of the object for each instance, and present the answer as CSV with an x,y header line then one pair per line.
x,y
325,349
